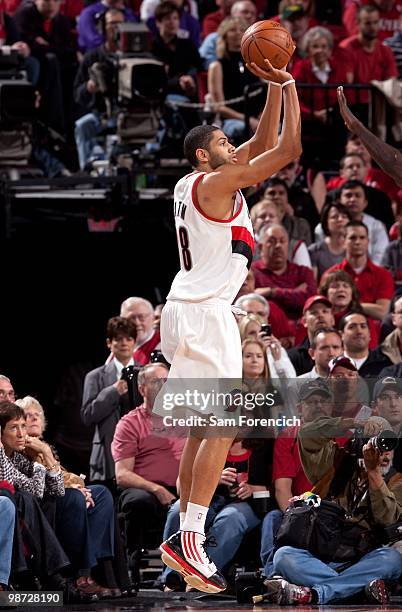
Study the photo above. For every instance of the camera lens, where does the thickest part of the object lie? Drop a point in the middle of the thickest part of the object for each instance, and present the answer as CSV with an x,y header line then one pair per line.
x,y
387,440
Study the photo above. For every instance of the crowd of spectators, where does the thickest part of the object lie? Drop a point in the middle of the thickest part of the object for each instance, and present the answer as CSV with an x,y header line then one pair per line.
x,y
321,327
63,44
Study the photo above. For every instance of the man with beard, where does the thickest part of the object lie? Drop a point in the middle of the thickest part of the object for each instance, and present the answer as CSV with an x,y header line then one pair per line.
x,y
356,338
387,401
285,283
147,466
348,391
371,498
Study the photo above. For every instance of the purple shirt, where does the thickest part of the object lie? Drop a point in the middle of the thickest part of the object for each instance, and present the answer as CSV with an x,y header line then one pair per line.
x,y
89,36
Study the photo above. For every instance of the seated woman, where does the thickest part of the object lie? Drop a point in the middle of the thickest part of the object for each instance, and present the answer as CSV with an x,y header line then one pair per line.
x,y
85,520
330,251
32,480
227,78
318,105
342,292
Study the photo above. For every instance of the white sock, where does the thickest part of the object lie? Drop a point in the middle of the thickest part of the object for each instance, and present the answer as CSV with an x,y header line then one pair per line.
x,y
182,518
195,518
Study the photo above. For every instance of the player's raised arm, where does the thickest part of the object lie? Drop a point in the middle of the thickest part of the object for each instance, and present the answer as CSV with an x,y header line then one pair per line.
x,y
388,158
266,134
238,176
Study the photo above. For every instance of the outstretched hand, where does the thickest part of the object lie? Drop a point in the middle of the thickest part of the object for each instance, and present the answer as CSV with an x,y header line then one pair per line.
x,y
349,118
269,73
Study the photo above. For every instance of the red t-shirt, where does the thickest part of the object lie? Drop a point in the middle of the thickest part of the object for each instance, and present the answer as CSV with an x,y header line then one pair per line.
x,y
368,66
211,22
287,462
374,282
389,20
319,98
375,178
157,457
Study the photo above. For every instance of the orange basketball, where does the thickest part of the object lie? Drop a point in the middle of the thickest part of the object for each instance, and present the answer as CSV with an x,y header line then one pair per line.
x,y
267,40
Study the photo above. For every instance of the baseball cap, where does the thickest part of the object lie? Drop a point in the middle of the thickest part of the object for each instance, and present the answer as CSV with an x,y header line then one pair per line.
x,y
344,361
389,382
315,299
293,11
316,385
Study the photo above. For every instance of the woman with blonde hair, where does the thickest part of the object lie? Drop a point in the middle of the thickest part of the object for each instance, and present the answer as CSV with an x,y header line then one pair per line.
x,y
278,363
227,78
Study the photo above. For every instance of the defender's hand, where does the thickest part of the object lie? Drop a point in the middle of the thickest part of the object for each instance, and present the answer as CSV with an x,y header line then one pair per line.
x,y
351,122
270,73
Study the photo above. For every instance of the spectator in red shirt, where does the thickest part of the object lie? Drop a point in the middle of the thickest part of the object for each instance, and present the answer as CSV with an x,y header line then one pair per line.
x,y
375,176
141,313
283,282
213,20
341,291
321,66
287,471
368,58
375,284
389,11
147,466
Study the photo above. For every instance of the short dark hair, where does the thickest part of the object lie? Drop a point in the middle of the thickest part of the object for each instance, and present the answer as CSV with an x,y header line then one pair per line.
x,y
370,8
343,321
164,9
120,326
198,137
345,157
10,411
352,184
325,214
272,182
357,224
324,330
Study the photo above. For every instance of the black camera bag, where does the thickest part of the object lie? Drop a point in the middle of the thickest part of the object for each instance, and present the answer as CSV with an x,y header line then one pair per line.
x,y
316,529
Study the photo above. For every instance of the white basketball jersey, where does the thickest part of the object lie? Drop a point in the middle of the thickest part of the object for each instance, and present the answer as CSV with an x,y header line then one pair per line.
x,y
215,255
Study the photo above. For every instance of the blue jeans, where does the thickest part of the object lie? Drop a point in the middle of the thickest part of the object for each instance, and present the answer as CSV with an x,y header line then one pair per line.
x,y
269,528
86,130
86,534
302,568
7,520
228,524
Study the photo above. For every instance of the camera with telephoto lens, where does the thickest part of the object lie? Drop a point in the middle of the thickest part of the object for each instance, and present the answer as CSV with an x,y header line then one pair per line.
x,y
130,374
247,585
385,441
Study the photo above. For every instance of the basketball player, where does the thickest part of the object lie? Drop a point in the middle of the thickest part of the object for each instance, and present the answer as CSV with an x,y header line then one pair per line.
x,y
388,158
199,333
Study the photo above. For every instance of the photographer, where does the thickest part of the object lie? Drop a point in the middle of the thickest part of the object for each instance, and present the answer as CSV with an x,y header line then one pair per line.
x,y
87,88
106,398
371,495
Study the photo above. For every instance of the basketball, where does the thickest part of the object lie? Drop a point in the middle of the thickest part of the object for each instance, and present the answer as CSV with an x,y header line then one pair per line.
x,y
267,40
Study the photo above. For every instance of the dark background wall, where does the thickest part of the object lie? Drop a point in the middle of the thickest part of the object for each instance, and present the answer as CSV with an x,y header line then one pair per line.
x,y
61,283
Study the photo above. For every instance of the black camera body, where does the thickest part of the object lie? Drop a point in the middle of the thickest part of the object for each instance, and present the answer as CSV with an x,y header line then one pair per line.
x,y
247,585
385,441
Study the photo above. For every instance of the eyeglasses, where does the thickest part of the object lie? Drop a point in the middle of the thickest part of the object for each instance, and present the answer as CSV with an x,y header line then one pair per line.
x,y
7,394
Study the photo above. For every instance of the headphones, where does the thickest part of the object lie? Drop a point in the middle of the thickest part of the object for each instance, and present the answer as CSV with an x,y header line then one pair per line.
x,y
100,19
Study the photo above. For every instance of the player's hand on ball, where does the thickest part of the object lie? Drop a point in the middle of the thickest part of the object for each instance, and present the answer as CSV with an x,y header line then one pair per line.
x,y
270,73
